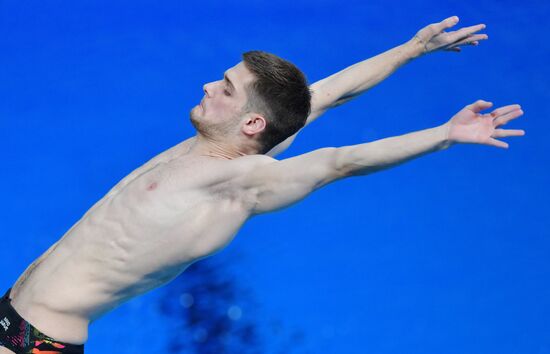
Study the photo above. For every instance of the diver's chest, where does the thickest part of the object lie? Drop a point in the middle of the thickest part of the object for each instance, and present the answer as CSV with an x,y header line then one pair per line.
x,y
185,175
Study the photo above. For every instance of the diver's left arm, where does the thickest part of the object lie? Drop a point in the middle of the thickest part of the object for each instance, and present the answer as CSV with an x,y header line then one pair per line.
x,y
349,83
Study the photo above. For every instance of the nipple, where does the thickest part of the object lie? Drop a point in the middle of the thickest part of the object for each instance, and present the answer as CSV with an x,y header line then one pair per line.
x,y
152,186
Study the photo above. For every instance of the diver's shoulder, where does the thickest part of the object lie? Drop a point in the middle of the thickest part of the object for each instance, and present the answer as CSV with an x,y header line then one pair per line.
x,y
256,159
251,162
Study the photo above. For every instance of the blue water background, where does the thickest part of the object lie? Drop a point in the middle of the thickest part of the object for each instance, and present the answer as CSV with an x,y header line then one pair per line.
x,y
446,254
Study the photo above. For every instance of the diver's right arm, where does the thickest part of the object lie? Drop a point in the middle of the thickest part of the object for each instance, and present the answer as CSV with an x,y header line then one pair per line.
x,y
281,183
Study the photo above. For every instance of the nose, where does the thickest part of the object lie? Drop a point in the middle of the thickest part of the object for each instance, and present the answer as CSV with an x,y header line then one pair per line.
x,y
208,89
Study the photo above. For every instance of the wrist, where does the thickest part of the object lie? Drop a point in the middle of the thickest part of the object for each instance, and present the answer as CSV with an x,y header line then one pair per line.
x,y
443,132
415,47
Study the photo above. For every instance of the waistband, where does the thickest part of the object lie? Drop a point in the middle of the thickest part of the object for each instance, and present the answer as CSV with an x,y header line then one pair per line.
x,y
6,296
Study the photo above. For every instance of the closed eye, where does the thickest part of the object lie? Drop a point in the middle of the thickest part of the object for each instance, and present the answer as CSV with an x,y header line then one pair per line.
x,y
229,87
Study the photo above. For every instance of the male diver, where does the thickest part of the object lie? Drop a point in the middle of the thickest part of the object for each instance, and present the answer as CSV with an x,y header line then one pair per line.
x,y
189,202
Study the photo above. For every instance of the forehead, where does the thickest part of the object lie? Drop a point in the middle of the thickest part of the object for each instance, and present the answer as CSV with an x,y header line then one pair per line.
x,y
239,75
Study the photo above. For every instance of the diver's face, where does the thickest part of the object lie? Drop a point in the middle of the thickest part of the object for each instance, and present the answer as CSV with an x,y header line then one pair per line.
x,y
222,105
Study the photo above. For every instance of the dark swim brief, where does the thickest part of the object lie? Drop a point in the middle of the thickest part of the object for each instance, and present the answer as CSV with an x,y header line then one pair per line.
x,y
21,337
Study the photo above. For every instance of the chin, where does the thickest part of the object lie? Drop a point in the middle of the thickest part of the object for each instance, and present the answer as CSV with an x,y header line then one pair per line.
x,y
196,113
194,117
197,121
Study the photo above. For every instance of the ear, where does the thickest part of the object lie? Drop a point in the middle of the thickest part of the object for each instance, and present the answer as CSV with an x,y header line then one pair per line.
x,y
254,124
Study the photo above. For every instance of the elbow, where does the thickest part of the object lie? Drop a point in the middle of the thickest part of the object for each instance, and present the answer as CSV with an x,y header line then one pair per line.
x,y
337,165
340,164
342,100
347,165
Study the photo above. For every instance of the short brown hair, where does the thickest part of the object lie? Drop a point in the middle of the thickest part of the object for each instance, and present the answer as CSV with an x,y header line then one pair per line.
x,y
279,92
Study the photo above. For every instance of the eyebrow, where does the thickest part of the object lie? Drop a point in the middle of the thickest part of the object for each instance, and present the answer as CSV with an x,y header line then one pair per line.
x,y
232,87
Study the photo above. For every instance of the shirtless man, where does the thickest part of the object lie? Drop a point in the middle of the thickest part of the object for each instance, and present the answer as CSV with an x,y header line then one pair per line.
x,y
189,202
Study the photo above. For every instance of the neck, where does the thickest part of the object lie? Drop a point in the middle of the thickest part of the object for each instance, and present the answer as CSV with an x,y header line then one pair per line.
x,y
205,146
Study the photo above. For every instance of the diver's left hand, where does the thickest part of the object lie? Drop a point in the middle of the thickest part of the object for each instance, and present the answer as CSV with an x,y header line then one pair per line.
x,y
470,126
433,37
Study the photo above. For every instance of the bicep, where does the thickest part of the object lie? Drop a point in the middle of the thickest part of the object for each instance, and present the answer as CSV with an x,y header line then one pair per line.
x,y
282,183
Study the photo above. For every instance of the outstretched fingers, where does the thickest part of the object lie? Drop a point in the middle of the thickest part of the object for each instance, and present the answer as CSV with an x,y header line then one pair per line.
x,y
471,40
465,32
504,133
446,23
505,114
500,117
505,109
497,143
453,49
479,106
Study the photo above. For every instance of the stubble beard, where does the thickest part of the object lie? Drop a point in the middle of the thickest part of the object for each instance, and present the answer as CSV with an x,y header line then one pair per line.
x,y
213,130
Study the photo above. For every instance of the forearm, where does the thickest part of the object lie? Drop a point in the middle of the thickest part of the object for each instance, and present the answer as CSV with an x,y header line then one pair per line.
x,y
356,79
353,81
382,154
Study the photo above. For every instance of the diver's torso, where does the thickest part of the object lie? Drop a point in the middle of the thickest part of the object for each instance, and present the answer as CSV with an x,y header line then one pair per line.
x,y
142,234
